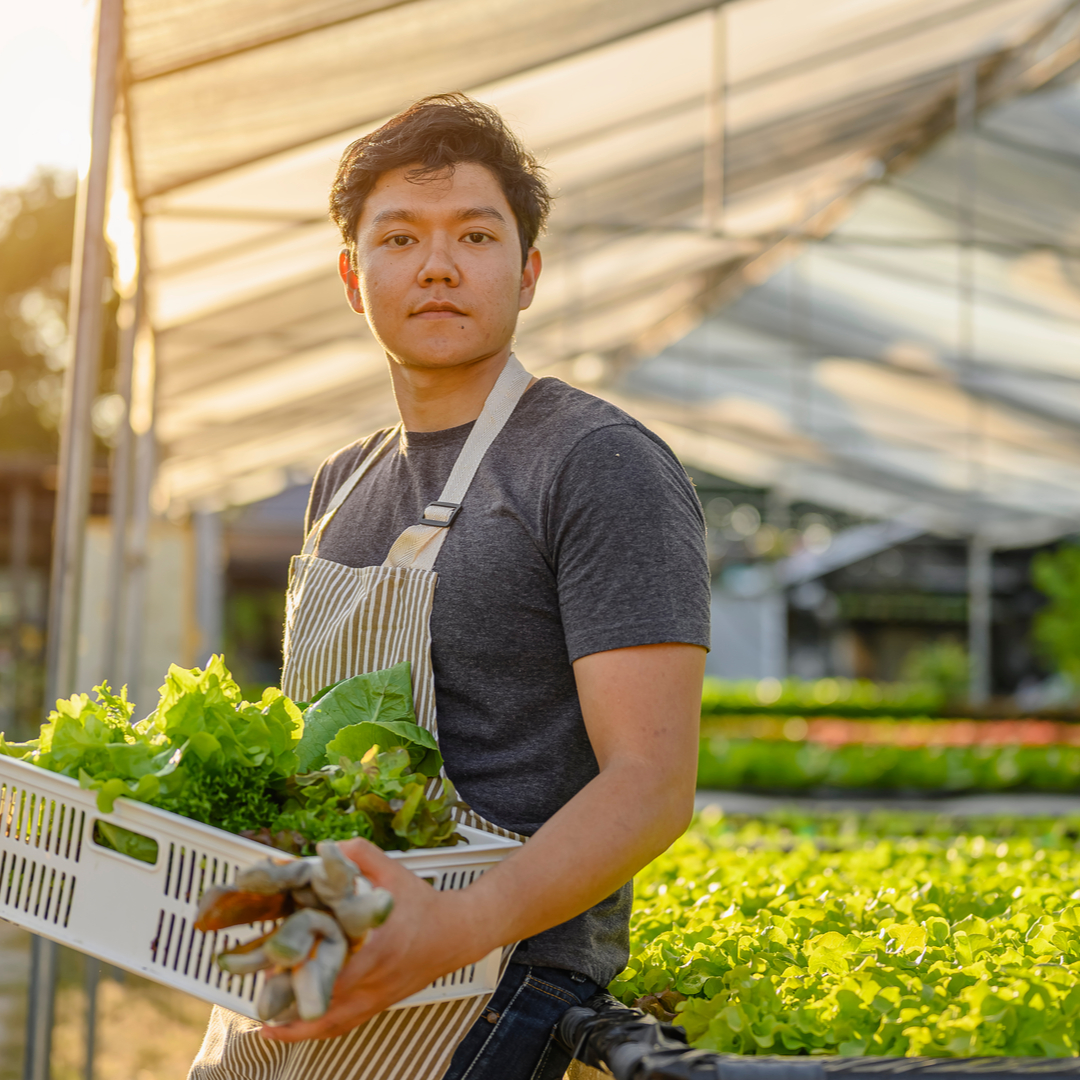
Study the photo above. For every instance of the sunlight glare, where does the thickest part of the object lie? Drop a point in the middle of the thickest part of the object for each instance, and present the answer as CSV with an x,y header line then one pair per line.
x,y
45,85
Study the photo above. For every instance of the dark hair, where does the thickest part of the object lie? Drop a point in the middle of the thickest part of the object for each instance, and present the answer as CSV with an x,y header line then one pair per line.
x,y
436,134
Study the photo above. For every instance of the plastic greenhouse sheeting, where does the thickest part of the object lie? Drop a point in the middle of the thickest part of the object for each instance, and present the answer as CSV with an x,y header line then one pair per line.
x,y
237,113
847,376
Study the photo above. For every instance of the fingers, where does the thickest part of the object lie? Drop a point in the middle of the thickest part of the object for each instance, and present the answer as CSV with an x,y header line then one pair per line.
x,y
335,1022
376,866
368,984
349,1008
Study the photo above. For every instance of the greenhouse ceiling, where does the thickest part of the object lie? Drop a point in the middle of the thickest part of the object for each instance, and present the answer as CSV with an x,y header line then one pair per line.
x,y
694,149
888,372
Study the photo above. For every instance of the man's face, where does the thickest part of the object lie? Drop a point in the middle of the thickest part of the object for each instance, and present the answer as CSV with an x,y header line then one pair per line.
x,y
438,271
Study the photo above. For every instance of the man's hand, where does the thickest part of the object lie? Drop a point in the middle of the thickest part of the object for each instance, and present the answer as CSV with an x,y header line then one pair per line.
x,y
641,708
420,941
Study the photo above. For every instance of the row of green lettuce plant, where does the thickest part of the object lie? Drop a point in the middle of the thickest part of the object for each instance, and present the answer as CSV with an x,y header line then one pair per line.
x,y
820,697
897,935
771,765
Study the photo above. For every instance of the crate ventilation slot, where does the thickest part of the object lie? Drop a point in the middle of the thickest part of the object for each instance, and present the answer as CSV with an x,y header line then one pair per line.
x,y
41,822
35,888
189,873
457,879
178,946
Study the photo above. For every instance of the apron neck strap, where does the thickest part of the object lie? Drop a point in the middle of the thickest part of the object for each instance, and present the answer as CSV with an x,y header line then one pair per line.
x,y
418,546
311,542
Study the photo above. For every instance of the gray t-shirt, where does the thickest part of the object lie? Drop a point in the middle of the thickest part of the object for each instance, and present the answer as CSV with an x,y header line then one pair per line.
x,y
580,533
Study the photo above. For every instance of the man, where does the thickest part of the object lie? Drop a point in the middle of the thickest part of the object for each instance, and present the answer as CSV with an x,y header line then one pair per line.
x,y
570,621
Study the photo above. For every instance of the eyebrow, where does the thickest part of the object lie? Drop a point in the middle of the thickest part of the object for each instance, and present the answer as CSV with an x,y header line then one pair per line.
x,y
480,212
469,213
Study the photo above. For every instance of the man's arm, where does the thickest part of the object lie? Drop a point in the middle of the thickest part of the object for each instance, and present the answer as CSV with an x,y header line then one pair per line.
x,y
641,707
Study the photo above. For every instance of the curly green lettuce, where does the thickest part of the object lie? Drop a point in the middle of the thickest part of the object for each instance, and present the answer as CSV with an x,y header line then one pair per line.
x,y
204,752
207,754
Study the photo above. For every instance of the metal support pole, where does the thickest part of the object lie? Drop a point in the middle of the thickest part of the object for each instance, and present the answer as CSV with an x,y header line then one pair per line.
x,y
800,322
980,556
138,545
120,493
778,508
209,582
39,1004
715,125
980,603
76,448
773,608
81,379
120,479
19,564
93,976
966,195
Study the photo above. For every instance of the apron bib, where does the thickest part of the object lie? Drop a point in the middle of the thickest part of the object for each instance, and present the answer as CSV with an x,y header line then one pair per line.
x,y
342,621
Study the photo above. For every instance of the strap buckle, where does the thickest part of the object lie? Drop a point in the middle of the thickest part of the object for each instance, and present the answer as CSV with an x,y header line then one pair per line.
x,y
443,521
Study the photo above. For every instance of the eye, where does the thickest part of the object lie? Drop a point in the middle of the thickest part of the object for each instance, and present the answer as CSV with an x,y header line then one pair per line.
x,y
400,241
477,237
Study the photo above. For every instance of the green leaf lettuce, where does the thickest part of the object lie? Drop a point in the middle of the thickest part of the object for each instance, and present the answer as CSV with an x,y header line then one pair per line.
x,y
376,697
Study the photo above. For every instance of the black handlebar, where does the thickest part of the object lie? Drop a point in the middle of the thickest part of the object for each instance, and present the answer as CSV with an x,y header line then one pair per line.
x,y
635,1046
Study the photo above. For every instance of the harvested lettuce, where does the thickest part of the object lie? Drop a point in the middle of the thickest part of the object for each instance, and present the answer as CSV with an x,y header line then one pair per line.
x,y
253,767
354,741
204,752
381,791
378,696
132,844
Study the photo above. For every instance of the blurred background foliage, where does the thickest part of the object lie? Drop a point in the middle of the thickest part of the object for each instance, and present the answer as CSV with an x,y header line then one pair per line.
x,y
36,227
1057,626
820,697
36,224
942,667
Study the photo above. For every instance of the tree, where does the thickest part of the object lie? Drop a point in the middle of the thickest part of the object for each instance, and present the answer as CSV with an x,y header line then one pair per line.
x,y
36,226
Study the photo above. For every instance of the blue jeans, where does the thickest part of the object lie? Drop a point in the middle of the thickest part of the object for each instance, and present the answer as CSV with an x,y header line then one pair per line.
x,y
513,1038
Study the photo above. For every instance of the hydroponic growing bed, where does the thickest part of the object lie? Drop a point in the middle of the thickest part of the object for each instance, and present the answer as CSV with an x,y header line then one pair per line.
x,y
895,935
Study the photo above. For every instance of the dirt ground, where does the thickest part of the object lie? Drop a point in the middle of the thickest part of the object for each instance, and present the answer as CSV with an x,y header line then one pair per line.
x,y
144,1031
14,965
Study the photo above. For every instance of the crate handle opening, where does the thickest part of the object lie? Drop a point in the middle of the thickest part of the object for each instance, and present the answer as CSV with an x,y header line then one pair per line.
x,y
134,845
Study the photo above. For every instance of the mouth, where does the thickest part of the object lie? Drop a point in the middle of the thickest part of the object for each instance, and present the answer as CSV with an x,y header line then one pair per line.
x,y
438,309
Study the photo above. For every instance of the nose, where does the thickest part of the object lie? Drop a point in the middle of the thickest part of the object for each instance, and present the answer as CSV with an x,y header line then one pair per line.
x,y
439,267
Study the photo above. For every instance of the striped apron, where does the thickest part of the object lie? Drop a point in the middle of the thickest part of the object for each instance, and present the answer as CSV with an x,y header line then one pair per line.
x,y
342,621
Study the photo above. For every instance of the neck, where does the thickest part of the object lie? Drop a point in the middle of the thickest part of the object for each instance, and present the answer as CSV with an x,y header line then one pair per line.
x,y
433,399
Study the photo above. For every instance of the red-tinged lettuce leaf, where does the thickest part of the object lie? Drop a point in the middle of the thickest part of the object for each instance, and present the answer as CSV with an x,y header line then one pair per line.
x,y
354,741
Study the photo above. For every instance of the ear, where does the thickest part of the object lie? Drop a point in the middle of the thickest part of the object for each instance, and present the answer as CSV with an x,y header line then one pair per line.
x,y
350,281
529,278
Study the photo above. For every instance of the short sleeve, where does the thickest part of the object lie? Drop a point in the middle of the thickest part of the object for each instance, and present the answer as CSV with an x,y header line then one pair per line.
x,y
317,498
627,540
333,472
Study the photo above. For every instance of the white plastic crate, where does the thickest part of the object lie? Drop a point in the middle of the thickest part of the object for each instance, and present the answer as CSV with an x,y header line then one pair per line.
x,y
56,881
